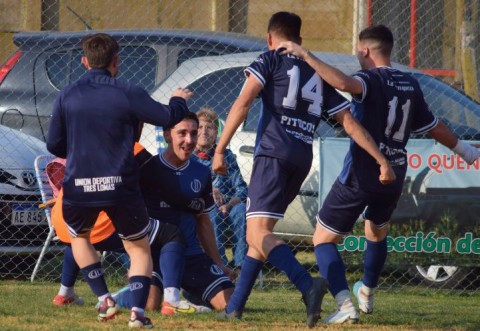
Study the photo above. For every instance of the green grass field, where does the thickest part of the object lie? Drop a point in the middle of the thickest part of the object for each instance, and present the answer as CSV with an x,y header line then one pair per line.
x,y
27,306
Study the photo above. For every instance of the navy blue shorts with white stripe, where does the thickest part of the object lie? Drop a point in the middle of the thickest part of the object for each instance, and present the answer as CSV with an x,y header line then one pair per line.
x,y
346,202
273,186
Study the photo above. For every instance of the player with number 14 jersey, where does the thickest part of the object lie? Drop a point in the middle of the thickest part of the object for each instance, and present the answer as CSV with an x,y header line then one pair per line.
x,y
294,100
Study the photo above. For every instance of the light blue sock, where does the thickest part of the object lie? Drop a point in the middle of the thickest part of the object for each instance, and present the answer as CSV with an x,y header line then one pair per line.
x,y
123,298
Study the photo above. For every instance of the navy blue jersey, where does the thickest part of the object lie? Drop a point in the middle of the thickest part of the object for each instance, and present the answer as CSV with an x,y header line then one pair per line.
x,y
162,183
94,125
391,108
294,100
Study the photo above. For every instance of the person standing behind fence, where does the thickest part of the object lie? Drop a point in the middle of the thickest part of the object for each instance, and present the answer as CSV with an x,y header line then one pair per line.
x,y
390,104
294,100
229,192
94,124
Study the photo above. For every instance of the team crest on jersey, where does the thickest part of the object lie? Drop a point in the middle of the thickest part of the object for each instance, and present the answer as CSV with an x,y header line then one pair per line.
x,y
248,203
259,59
196,185
215,270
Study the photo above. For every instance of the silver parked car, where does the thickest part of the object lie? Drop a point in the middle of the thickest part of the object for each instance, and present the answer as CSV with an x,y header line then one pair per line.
x,y
428,192
23,226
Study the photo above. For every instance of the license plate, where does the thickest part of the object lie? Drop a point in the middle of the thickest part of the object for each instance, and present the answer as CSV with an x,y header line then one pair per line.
x,y
27,215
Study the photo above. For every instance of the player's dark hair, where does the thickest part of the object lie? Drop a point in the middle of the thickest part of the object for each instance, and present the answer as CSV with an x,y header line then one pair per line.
x,y
382,35
189,116
100,49
286,24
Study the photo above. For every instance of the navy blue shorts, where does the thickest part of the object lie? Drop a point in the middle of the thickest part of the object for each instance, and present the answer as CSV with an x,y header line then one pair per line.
x,y
202,278
345,203
130,219
112,243
162,233
273,186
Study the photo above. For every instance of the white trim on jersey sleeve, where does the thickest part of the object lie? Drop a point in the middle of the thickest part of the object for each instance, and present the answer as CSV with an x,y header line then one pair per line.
x,y
426,128
207,210
264,214
256,74
364,89
338,108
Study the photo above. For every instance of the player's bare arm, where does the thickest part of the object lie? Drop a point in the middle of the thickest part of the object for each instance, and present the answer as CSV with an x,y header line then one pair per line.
x,y
235,118
206,236
361,136
445,136
330,74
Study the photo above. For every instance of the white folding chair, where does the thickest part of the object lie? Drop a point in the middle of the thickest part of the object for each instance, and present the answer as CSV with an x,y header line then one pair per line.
x,y
46,193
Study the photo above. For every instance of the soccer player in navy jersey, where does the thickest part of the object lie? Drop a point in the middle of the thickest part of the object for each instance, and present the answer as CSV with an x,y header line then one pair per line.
x,y
294,100
390,105
94,124
176,175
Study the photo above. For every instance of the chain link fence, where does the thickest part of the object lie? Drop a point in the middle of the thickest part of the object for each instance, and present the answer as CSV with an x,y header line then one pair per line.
x,y
204,45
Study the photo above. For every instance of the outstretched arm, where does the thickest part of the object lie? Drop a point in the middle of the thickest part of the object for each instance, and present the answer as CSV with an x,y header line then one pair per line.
x,y
361,136
330,74
236,116
445,136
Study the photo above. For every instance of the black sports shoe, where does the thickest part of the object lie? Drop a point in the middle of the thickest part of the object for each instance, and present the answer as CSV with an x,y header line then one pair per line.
x,y
313,300
234,315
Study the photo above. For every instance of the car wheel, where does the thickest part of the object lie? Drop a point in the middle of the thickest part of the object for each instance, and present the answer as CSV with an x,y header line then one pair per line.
x,y
441,275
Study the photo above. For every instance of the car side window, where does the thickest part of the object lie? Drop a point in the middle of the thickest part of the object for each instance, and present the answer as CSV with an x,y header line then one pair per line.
x,y
189,53
77,68
56,66
137,64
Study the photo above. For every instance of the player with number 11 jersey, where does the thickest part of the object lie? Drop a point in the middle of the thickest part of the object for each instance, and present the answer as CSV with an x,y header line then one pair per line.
x,y
407,113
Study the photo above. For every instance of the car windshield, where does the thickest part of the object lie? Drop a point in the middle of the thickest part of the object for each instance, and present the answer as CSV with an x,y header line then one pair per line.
x,y
459,112
220,88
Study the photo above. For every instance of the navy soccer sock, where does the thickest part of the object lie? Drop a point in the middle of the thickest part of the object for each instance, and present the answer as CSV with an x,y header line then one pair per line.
x,y
248,274
374,259
331,267
172,262
94,276
283,259
139,289
70,268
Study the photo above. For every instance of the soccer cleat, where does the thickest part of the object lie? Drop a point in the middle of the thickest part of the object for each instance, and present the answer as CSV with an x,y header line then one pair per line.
x,y
60,300
137,321
199,308
345,314
183,307
234,315
365,301
313,300
107,309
